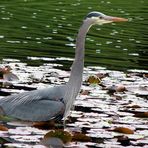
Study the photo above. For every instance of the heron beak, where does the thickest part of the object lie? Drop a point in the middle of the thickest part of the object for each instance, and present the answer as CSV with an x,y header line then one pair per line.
x,y
115,19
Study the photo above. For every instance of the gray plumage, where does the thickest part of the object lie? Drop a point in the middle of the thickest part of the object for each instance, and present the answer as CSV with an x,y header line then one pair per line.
x,y
36,105
55,102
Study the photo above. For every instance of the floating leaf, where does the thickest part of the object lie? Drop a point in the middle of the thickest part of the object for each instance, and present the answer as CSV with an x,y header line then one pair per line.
x,y
61,134
145,75
85,92
102,75
3,128
44,125
133,106
141,115
116,88
120,88
80,137
93,80
124,140
124,130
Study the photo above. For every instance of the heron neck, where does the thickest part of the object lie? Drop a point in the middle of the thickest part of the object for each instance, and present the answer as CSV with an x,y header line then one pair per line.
x,y
78,64
75,80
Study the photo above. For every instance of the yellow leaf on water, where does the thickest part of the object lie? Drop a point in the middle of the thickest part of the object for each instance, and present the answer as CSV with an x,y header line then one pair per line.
x,y
93,80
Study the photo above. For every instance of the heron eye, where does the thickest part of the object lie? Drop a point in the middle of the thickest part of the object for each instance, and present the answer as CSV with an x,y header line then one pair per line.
x,y
100,17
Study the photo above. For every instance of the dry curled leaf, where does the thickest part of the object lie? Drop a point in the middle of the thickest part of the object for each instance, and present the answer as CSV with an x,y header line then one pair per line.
x,y
124,130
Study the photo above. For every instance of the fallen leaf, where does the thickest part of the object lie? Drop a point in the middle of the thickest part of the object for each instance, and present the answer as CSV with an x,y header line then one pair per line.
x,y
3,128
93,80
116,88
102,75
61,134
85,92
80,137
133,106
124,140
120,88
141,115
44,125
124,130
145,75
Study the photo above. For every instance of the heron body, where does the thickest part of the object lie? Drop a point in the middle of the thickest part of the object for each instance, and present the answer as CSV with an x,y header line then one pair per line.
x,y
55,102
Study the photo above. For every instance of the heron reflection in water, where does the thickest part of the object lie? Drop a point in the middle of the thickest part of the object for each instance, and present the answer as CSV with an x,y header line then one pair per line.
x,y
55,102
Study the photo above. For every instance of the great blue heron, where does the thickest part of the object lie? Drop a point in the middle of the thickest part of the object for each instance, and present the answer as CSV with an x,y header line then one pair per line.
x,y
55,102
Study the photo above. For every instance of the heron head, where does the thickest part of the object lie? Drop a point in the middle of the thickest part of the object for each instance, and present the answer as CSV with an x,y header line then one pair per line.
x,y
100,18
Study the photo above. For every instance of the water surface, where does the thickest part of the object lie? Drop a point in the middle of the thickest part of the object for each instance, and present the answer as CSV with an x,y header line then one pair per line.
x,y
49,28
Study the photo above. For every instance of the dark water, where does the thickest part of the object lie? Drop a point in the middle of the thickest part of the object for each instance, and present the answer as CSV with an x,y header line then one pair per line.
x,y
48,29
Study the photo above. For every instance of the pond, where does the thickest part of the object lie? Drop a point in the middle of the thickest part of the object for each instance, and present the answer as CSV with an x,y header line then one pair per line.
x,y
49,29
37,42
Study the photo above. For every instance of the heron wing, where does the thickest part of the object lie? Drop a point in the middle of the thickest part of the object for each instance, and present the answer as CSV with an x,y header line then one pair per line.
x,y
37,105
41,110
